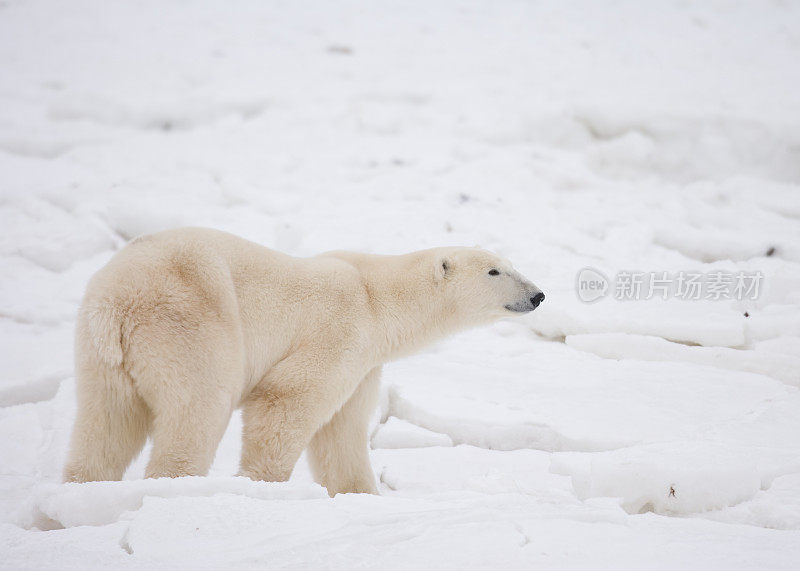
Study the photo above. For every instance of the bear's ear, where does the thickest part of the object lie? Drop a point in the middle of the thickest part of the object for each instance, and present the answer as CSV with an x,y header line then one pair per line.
x,y
443,268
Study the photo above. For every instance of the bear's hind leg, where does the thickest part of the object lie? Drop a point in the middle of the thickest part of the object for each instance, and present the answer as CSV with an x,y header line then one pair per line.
x,y
111,426
190,383
185,440
339,451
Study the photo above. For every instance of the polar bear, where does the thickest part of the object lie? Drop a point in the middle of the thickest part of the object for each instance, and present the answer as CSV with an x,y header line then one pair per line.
x,y
182,327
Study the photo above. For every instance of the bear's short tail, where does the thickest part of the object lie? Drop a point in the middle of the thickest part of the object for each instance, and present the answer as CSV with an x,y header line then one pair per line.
x,y
100,331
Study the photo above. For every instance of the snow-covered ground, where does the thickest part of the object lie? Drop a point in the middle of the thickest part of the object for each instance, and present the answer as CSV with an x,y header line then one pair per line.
x,y
620,136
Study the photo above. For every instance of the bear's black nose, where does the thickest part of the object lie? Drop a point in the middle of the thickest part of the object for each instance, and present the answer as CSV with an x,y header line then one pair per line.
x,y
537,299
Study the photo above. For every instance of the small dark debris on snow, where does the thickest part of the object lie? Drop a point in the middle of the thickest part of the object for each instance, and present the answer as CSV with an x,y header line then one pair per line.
x,y
671,492
464,197
771,251
746,314
341,50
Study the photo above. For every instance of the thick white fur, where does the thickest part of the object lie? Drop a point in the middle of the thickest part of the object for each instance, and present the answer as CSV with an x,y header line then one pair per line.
x,y
182,327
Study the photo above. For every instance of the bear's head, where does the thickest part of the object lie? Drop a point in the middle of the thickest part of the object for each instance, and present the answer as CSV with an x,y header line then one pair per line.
x,y
480,286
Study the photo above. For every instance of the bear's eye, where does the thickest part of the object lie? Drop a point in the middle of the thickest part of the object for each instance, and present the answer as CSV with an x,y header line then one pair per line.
x,y
494,273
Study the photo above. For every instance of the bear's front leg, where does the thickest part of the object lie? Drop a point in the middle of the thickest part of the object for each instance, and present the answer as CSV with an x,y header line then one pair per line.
x,y
339,451
284,411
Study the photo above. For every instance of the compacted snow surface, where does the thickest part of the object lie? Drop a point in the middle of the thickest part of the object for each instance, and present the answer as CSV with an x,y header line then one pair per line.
x,y
618,136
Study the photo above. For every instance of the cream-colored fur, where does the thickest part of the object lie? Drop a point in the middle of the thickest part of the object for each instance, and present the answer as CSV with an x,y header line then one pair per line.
x,y
182,327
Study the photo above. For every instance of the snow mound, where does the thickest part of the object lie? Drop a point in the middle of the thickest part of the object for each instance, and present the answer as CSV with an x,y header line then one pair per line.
x,y
674,478
101,503
775,508
500,429
398,433
445,470
626,346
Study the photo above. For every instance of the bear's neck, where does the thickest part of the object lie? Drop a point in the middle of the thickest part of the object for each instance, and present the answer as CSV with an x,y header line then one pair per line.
x,y
410,313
